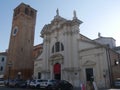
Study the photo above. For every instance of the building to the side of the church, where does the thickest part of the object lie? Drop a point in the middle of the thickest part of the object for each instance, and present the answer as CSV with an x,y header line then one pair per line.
x,y
3,60
69,55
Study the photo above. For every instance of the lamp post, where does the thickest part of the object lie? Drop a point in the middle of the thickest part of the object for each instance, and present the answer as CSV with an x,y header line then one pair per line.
x,y
19,75
117,62
105,75
9,70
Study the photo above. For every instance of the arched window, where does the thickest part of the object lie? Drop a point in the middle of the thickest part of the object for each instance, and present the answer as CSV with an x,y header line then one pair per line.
x,y
18,11
31,13
57,46
62,47
26,11
15,14
3,59
1,68
53,49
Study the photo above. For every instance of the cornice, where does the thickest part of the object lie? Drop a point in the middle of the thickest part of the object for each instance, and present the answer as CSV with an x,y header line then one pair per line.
x,y
71,69
59,23
87,49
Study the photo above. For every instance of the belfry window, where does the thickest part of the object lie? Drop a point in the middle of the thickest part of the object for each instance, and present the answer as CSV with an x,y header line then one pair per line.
x,y
26,11
31,13
16,12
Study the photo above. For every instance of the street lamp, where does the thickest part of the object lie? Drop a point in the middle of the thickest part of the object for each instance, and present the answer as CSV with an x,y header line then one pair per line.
x,y
105,75
116,62
9,69
19,75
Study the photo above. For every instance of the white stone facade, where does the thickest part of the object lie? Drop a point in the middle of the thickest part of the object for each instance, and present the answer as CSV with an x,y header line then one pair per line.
x,y
109,41
79,57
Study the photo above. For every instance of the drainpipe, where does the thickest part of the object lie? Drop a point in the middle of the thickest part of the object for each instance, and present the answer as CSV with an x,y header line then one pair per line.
x,y
119,59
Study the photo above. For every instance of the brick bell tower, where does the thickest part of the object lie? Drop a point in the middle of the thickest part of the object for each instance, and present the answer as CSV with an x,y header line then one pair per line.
x,y
20,61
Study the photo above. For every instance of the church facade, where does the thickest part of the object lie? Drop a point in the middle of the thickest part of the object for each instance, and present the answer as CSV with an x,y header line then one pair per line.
x,y
71,56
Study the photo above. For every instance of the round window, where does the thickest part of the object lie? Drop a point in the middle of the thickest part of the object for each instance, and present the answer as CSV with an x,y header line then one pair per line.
x,y
15,30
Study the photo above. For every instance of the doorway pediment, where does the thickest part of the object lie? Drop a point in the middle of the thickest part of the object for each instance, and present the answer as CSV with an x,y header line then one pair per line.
x,y
56,57
89,63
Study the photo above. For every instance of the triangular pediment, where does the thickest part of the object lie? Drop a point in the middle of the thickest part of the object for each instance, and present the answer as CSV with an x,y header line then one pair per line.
x,y
87,45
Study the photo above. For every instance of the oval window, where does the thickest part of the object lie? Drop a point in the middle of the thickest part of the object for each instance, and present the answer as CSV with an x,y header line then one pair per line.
x,y
15,30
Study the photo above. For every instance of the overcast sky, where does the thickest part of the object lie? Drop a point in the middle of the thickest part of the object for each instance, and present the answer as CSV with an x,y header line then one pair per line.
x,y
97,15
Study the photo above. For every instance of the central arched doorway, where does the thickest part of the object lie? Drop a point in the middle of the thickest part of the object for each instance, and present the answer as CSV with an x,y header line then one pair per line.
x,y
57,71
